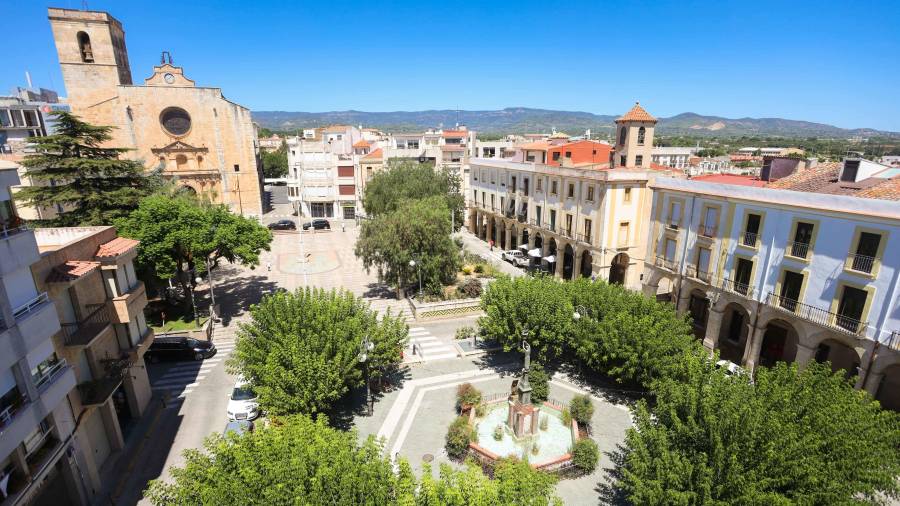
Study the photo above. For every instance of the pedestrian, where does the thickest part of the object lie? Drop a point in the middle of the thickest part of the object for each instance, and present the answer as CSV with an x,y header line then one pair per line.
x,y
342,227
269,266
491,244
414,349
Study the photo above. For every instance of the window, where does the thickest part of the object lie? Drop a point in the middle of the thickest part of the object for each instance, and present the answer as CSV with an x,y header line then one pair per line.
x,y
639,160
512,185
84,46
590,193
568,154
412,144
556,156
703,263
552,187
641,133
345,171
237,167
622,139
539,184
622,161
571,190
552,219
529,157
587,230
670,249
627,195
751,232
710,220
799,248
43,372
537,214
850,308
742,274
674,214
568,224
790,290
340,137
866,252
623,233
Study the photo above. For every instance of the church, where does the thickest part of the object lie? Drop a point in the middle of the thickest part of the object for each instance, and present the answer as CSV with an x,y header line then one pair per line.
x,y
196,136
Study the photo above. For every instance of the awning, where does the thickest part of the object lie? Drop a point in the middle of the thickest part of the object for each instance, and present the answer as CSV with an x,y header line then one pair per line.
x,y
523,247
536,253
550,259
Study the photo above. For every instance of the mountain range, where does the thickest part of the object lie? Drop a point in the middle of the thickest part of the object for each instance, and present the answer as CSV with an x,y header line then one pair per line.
x,y
528,120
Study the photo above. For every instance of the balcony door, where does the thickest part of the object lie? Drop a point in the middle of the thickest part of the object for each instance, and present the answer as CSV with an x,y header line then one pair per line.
x,y
866,250
752,230
790,290
850,308
802,238
742,275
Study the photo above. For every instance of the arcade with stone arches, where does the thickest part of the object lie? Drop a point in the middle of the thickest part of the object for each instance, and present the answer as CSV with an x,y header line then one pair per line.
x,y
751,333
558,255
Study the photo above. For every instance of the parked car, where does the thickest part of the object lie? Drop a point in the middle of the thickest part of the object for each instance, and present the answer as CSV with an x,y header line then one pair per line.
x,y
283,225
318,224
238,427
179,348
516,257
242,403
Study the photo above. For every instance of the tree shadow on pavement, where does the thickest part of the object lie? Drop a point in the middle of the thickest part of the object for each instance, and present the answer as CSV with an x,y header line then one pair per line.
x,y
609,489
379,291
504,363
601,385
353,404
236,289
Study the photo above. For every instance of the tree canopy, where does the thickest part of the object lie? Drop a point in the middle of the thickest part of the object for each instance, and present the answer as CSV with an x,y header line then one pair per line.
x,y
177,232
788,438
416,230
275,163
300,350
296,460
73,171
409,180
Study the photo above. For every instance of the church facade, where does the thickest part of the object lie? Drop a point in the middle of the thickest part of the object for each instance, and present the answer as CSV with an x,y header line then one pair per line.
x,y
193,134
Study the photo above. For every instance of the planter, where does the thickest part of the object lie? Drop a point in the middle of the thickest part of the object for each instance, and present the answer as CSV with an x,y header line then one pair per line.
x,y
444,308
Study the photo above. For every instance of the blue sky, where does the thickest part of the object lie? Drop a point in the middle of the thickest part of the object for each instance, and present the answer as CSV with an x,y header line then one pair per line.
x,y
832,62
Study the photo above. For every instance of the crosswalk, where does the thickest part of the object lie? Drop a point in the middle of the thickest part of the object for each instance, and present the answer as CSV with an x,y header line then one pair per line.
x,y
427,347
180,380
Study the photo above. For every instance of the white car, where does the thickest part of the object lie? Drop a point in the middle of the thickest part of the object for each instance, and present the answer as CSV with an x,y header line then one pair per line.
x,y
516,257
242,403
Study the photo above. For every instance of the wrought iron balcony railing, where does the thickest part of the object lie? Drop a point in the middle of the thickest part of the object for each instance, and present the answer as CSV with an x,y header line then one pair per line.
x,y
817,315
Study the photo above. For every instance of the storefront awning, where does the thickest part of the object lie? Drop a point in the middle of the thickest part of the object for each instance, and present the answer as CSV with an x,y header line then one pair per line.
x,y
536,253
550,259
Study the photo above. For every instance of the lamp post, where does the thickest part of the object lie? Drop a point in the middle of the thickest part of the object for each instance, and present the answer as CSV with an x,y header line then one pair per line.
x,y
413,263
365,347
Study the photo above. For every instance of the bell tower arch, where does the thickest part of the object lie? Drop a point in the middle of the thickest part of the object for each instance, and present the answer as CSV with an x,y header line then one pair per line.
x,y
634,138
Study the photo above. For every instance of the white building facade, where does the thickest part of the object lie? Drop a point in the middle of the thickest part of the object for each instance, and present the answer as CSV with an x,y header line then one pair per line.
x,y
775,275
675,157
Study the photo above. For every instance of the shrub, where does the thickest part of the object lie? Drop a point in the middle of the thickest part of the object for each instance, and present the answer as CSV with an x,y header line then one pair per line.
x,y
539,380
465,332
479,268
582,409
470,288
467,396
458,437
566,416
467,269
585,455
498,433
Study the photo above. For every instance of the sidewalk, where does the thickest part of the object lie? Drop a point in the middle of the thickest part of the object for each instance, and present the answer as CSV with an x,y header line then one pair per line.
x,y
479,247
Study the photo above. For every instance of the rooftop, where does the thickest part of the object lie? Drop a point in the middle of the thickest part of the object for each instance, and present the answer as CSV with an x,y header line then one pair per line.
x,y
116,247
637,113
455,133
374,154
361,144
731,179
71,270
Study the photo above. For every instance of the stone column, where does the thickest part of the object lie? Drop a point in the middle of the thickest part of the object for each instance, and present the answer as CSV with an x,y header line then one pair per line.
x,y
558,268
872,382
804,354
713,328
507,238
490,229
752,348
650,290
111,422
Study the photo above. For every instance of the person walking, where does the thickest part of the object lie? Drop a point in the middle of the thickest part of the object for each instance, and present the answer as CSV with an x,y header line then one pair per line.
x,y
491,244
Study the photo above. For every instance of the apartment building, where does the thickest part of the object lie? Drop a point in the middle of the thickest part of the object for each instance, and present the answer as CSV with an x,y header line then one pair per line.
x,y
577,208
769,274
671,156
88,273
323,172
36,417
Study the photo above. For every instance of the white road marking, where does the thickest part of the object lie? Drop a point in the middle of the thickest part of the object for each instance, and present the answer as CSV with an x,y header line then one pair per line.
x,y
178,382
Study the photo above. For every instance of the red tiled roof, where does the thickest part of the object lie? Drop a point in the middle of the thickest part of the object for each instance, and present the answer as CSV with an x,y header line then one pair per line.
x,y
536,146
637,113
888,190
116,247
373,154
809,180
71,270
730,179
362,143
455,133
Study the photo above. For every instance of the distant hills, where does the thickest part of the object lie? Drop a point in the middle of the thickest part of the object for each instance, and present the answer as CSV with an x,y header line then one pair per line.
x,y
526,120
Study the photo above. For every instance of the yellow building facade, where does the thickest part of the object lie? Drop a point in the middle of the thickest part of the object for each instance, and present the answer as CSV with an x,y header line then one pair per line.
x,y
196,136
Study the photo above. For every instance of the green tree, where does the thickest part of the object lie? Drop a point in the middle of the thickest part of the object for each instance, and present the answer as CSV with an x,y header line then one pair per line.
x,y
71,169
540,383
178,232
515,483
300,350
416,230
787,438
405,180
293,461
275,163
541,305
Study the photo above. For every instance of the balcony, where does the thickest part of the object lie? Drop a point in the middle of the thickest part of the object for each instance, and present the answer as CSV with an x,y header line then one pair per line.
x,y
583,238
749,239
817,315
741,288
550,227
138,347
97,392
8,414
129,303
509,213
692,271
707,231
665,263
862,263
798,249
18,248
84,332
567,232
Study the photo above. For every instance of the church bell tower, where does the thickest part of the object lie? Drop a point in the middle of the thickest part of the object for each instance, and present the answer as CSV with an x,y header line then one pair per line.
x,y
634,139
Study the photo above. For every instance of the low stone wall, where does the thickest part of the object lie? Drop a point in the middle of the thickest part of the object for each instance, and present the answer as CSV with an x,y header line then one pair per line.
x,y
438,309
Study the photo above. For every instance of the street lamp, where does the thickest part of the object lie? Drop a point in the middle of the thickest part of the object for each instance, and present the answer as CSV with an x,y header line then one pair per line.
x,y
365,347
413,263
